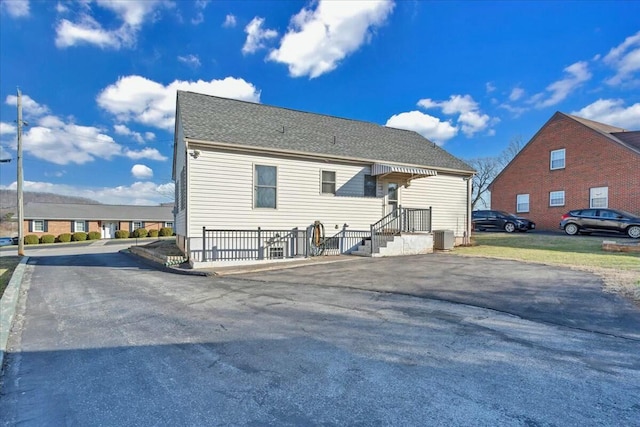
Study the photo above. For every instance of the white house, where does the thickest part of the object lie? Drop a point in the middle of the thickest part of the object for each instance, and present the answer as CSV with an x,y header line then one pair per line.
x,y
240,167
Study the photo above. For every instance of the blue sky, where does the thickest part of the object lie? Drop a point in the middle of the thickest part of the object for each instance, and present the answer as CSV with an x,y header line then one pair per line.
x,y
98,78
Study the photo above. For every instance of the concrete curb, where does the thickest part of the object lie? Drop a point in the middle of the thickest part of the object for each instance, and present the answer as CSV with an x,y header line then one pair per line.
x,y
162,267
8,305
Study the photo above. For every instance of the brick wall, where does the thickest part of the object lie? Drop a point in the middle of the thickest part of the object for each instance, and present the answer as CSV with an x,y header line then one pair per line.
x,y
56,228
592,160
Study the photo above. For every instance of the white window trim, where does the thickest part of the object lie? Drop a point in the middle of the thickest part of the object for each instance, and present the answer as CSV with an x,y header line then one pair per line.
x,y
134,223
75,226
552,193
564,159
34,226
606,197
255,185
335,182
518,203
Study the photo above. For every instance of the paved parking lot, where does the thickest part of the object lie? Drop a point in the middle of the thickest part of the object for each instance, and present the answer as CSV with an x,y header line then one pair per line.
x,y
102,339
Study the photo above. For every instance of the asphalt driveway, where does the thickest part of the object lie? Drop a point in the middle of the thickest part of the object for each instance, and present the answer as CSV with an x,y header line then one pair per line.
x,y
102,339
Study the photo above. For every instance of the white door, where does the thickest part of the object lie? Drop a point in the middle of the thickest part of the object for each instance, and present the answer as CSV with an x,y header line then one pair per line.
x,y
392,196
108,230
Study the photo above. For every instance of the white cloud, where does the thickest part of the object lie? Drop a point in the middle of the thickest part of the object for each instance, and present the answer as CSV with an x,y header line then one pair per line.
x,y
136,136
135,98
428,126
141,172
190,60
612,112
149,136
229,21
625,59
86,30
7,128
200,6
52,139
30,108
256,36
470,119
556,92
16,8
138,193
318,39
490,87
516,93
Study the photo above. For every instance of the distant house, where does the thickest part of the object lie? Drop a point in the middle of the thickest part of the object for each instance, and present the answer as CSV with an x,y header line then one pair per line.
x,y
59,218
242,169
571,163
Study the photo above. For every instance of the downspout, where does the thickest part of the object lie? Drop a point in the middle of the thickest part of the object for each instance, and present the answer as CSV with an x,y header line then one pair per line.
x,y
467,233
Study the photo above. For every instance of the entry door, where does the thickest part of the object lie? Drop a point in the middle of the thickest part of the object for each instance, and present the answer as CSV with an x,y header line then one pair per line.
x,y
393,197
108,230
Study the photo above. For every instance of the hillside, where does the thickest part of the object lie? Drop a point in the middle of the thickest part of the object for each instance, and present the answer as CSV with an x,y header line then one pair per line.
x,y
8,200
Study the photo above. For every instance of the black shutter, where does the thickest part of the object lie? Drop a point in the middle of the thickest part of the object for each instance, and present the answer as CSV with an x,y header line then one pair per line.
x,y
46,226
86,226
30,226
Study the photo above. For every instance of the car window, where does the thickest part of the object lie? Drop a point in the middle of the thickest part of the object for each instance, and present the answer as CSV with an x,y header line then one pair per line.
x,y
480,214
587,212
609,214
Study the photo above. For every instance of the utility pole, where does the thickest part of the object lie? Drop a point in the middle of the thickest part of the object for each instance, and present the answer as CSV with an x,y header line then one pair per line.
x,y
20,179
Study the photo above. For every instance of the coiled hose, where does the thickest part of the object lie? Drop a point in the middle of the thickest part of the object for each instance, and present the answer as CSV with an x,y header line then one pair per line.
x,y
316,239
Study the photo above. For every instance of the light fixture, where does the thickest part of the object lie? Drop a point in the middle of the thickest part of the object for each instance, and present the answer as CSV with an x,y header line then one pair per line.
x,y
195,154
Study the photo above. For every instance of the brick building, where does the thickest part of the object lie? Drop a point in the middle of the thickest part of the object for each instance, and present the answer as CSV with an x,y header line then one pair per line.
x,y
59,218
571,163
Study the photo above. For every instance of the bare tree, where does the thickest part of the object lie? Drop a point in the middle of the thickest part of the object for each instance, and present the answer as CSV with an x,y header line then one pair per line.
x,y
487,168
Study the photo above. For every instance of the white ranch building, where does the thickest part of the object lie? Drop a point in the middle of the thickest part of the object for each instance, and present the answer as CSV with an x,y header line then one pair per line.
x,y
252,179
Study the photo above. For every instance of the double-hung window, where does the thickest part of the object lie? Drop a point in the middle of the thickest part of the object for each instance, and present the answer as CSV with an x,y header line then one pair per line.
x,y
328,182
79,226
137,224
599,197
556,198
557,160
522,203
38,225
370,186
265,182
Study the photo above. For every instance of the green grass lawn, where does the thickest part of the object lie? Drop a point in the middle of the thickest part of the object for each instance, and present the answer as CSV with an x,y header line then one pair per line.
x,y
619,270
7,265
552,249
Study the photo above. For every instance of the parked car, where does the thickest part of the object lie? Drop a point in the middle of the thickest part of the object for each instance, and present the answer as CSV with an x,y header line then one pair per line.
x,y
6,241
500,220
587,221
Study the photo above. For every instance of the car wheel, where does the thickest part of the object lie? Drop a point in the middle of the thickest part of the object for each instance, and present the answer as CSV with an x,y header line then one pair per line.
x,y
509,227
571,229
634,231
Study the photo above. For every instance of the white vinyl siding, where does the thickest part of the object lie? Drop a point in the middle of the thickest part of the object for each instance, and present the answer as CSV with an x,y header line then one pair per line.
x,y
557,160
180,163
556,198
522,203
599,197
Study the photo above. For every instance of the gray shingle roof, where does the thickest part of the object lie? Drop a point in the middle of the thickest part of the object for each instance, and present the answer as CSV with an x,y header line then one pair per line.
x,y
229,121
75,211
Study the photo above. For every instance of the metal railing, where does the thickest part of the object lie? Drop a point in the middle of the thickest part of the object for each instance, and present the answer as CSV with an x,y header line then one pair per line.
x,y
401,220
239,245
344,241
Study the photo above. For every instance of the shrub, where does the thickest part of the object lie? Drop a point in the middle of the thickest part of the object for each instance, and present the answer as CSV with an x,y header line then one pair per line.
x,y
64,238
122,234
153,233
47,238
31,239
80,236
166,231
140,232
94,235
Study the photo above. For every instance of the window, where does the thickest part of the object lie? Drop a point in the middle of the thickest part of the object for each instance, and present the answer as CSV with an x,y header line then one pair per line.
x,y
522,203
265,185
136,225
556,198
38,225
599,197
79,226
370,185
183,189
557,159
168,224
328,182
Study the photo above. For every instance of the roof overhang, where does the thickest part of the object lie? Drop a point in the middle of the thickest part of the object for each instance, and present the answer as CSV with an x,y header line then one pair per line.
x,y
381,169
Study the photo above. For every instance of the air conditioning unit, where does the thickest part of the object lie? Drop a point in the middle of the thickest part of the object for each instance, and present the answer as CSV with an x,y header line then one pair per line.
x,y
443,240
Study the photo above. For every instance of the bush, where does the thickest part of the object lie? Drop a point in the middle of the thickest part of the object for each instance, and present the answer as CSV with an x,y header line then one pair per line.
x,y
47,238
80,236
122,234
31,239
64,238
140,232
153,233
94,235
166,231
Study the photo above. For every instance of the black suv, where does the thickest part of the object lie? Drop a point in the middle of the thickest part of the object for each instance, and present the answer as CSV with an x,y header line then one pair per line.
x,y
587,221
500,220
